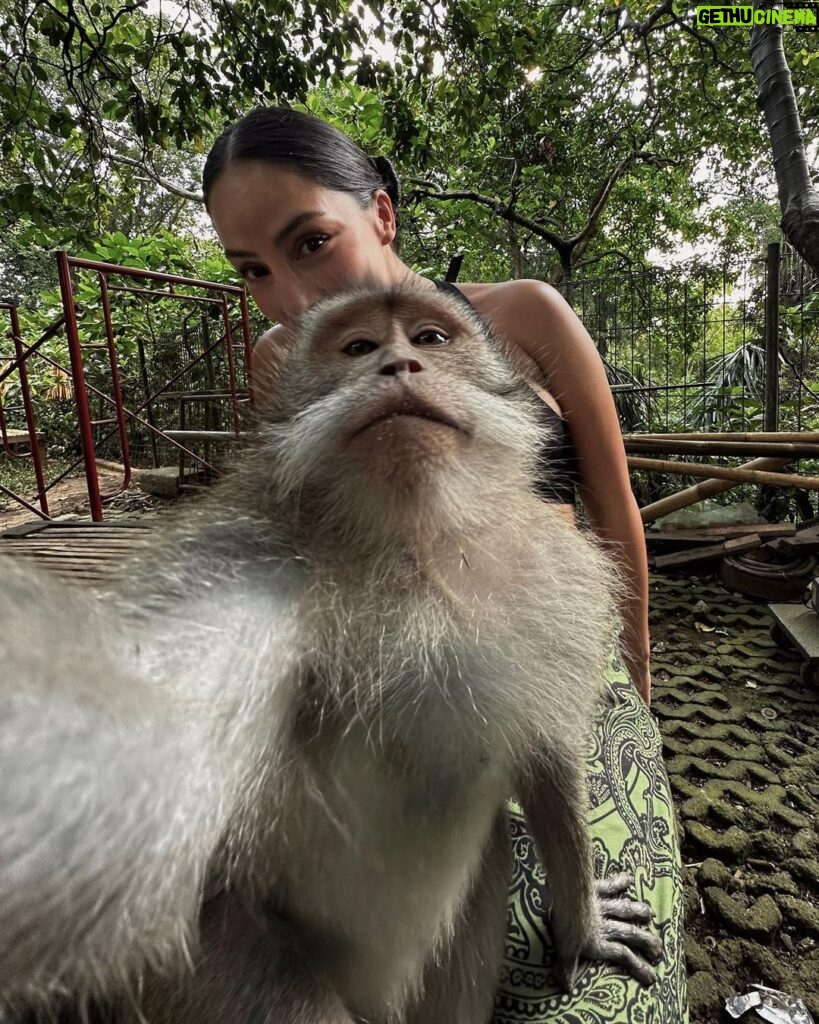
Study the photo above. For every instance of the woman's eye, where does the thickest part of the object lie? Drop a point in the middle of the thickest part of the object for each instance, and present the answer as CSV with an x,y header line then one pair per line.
x,y
430,338
312,244
359,347
252,271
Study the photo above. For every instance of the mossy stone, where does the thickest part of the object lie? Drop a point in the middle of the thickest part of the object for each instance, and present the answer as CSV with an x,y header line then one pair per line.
x,y
800,913
733,845
804,868
714,872
703,993
696,956
761,920
774,882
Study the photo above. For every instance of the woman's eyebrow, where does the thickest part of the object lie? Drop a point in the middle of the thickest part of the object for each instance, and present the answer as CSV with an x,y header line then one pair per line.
x,y
282,236
296,223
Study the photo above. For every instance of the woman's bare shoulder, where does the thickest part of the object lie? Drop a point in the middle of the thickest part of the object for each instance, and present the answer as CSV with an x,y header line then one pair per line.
x,y
269,337
518,310
506,291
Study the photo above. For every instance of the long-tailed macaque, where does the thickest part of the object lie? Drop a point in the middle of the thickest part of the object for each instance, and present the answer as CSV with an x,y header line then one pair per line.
x,y
264,779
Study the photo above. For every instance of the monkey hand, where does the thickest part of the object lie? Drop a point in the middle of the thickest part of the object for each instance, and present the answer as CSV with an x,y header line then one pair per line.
x,y
621,936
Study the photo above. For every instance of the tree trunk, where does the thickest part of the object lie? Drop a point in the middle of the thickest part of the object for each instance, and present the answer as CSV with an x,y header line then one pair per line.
x,y
515,255
798,199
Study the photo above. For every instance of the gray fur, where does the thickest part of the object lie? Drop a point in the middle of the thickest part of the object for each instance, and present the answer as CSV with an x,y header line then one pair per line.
x,y
264,779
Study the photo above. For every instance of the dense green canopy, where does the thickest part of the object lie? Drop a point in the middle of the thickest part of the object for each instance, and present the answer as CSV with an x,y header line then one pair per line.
x,y
538,138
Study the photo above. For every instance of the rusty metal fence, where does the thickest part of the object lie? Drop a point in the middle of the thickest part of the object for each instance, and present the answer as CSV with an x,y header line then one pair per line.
x,y
167,380
18,422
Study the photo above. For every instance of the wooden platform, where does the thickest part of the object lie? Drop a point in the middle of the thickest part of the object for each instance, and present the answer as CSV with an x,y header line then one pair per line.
x,y
15,438
81,551
798,625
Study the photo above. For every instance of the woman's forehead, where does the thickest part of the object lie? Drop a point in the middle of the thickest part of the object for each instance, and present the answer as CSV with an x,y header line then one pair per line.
x,y
253,197
265,185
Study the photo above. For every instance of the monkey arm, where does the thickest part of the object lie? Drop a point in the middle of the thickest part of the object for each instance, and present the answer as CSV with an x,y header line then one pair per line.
x,y
589,919
252,967
110,805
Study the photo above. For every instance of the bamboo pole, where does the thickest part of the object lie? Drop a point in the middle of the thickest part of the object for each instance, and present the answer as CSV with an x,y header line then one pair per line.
x,y
772,436
751,476
701,491
673,446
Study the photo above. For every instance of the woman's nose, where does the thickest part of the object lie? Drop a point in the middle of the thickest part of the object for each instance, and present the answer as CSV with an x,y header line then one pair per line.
x,y
291,299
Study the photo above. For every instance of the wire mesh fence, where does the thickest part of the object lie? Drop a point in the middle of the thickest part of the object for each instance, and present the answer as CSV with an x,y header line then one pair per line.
x,y
685,347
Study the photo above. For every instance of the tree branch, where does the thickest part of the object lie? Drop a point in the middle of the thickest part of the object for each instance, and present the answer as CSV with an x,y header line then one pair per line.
x,y
432,191
169,186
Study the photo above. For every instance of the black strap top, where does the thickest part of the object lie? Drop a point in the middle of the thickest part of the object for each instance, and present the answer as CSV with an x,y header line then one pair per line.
x,y
557,460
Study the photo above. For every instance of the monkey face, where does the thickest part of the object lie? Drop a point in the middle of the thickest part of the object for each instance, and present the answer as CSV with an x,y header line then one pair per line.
x,y
398,399
403,358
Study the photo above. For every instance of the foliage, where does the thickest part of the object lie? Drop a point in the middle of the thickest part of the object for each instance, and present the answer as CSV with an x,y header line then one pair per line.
x,y
732,396
579,129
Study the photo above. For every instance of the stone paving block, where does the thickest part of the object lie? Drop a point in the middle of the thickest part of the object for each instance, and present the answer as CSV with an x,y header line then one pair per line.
x,y
761,919
741,738
801,913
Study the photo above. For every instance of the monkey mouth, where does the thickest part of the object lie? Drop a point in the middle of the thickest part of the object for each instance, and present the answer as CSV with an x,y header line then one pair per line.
x,y
409,406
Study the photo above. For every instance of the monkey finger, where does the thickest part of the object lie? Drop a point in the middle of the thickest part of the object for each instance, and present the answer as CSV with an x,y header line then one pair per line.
x,y
625,910
639,939
615,885
623,956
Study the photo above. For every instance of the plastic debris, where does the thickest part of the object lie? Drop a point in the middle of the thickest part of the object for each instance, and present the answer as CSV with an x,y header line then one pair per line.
x,y
737,1005
770,1004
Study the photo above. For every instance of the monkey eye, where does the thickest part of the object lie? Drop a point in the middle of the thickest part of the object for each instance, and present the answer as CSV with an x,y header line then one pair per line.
x,y
359,347
430,337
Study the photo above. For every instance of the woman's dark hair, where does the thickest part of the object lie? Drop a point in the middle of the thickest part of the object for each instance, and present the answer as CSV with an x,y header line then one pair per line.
x,y
304,144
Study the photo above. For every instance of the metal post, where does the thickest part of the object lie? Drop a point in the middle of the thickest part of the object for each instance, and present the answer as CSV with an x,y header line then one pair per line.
x,y
80,395
112,360
28,406
251,392
771,418
234,397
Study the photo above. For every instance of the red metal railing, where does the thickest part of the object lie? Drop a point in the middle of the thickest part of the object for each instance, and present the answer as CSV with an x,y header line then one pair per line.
x,y
17,363
218,294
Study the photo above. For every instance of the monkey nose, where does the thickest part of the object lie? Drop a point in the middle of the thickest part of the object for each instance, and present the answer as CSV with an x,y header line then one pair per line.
x,y
396,366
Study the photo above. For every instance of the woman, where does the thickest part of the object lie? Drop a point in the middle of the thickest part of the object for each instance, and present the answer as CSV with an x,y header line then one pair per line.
x,y
302,214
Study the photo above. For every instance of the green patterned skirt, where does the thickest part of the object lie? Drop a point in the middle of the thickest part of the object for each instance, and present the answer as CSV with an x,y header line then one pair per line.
x,y
631,817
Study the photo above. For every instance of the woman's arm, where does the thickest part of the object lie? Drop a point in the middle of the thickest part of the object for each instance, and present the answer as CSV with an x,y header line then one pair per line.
x,y
550,332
